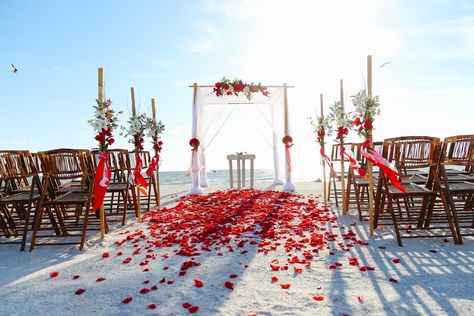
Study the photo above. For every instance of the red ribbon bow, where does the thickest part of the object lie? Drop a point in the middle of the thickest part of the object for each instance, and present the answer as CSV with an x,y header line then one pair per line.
x,y
153,164
139,180
101,181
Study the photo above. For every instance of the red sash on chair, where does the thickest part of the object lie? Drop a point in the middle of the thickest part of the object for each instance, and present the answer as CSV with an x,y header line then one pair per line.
x,y
138,180
101,181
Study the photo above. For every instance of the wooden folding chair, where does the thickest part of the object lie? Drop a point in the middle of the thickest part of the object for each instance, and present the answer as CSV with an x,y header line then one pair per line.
x,y
408,211
16,169
71,209
335,160
457,151
146,159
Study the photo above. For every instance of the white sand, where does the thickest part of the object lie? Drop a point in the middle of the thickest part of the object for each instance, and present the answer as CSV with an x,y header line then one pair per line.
x,y
429,283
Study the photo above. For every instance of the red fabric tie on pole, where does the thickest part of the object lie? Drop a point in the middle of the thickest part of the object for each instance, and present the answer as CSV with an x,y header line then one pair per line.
x,y
153,164
353,162
101,181
328,161
139,180
384,165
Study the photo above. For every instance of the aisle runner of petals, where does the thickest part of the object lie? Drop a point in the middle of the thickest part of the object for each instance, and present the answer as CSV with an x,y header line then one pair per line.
x,y
237,222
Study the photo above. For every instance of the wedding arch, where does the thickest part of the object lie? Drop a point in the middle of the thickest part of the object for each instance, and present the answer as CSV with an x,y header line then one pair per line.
x,y
270,101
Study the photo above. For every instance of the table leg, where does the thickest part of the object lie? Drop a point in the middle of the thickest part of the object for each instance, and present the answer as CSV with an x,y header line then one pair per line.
x,y
231,174
238,174
243,173
251,173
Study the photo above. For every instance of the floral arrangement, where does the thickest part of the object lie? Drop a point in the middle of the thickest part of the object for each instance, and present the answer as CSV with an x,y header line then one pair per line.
x,y
154,130
341,119
366,108
236,87
136,129
322,128
104,123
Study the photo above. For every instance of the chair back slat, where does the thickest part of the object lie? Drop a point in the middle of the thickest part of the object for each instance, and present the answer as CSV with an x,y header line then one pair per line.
x,y
411,152
458,151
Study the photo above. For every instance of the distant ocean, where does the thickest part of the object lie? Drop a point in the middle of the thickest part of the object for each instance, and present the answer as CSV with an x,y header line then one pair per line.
x,y
215,177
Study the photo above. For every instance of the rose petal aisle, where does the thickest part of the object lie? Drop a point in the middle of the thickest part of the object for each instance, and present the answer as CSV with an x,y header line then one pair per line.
x,y
246,252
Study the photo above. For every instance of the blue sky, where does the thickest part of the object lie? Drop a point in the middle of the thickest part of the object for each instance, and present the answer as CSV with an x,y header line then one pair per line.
x,y
160,47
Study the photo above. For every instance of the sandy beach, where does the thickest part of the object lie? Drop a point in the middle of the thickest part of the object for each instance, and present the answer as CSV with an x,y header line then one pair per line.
x,y
431,276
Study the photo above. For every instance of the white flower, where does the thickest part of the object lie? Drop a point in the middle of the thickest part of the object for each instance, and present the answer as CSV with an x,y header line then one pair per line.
x,y
247,89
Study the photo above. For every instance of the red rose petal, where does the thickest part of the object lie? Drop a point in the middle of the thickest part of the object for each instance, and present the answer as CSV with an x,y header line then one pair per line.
x,y
127,300
100,280
274,279
433,251
105,255
198,283
79,292
75,277
360,298
318,298
162,280
233,276
186,305
170,281
393,280
154,288
146,282
229,285
395,260
144,290
119,253
54,274
127,260
285,286
151,306
193,309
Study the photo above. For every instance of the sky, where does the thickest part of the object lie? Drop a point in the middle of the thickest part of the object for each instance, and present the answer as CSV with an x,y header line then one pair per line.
x,y
161,47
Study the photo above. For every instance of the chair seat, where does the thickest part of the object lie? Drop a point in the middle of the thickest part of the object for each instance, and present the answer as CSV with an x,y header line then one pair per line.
x,y
71,198
412,189
460,187
414,178
72,189
22,197
117,187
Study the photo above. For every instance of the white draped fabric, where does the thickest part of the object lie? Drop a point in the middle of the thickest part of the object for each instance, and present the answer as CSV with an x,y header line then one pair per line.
x,y
210,113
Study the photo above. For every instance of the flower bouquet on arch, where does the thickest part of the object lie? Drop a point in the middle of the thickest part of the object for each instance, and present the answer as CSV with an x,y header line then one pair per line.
x,y
136,130
154,130
104,123
237,86
366,108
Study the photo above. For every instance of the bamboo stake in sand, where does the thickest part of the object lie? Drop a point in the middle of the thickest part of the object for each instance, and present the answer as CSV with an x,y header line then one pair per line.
x,y
134,113
100,97
322,158
343,189
369,165
158,197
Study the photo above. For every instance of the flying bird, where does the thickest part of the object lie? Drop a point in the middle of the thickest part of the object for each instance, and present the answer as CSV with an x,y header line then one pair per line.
x,y
13,69
385,63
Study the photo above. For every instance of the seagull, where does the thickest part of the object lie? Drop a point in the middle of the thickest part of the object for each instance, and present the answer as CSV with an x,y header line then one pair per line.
x,y
385,63
13,69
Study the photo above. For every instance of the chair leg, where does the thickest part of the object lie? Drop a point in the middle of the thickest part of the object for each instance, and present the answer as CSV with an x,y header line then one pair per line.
x,y
25,229
395,222
84,228
125,206
37,226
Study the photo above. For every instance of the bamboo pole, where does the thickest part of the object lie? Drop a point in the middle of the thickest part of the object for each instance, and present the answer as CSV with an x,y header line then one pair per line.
x,y
369,165
134,113
343,189
153,111
322,158
100,97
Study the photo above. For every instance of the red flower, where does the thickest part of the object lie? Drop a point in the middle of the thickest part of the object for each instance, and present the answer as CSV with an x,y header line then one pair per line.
x,y
110,141
368,125
357,121
285,286
54,274
194,143
287,140
198,283
229,285
218,85
79,292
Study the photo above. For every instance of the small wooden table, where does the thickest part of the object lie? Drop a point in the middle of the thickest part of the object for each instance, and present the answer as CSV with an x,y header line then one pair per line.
x,y
240,175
